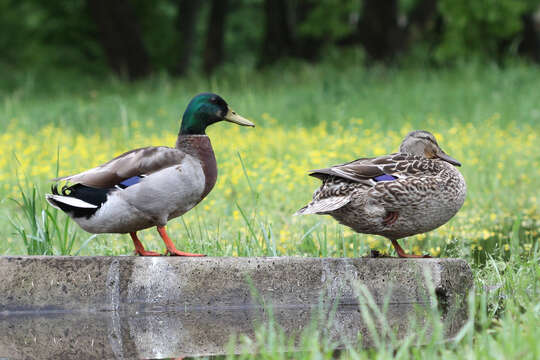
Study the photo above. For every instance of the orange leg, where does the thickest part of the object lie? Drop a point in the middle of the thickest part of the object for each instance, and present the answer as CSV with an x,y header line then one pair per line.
x,y
401,253
139,248
171,249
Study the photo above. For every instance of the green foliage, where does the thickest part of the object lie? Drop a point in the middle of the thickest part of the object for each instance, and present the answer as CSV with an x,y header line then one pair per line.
x,y
47,34
38,35
157,22
43,231
479,28
330,19
243,38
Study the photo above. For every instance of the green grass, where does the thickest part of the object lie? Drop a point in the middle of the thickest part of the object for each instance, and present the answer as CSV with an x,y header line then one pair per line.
x,y
307,117
42,230
301,95
503,324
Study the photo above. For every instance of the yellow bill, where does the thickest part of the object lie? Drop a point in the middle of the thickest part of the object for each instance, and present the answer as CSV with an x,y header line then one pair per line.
x,y
233,117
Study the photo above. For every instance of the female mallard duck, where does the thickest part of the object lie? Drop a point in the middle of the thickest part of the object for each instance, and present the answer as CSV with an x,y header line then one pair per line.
x,y
149,186
396,195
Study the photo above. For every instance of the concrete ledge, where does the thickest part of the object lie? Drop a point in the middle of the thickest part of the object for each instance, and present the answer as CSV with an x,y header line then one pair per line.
x,y
45,284
134,307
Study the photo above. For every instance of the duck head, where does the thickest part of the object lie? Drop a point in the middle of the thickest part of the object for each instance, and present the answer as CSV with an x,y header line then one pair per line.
x,y
423,143
206,109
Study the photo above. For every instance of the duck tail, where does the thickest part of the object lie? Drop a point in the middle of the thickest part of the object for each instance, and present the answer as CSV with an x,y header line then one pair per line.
x,y
301,211
68,202
324,206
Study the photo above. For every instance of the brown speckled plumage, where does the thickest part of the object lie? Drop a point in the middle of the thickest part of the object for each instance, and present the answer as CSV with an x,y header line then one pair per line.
x,y
425,193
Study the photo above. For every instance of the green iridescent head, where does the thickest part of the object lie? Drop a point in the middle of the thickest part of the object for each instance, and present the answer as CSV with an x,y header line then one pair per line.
x,y
206,109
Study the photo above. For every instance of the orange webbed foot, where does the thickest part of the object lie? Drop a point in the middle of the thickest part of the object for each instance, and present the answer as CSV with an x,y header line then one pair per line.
x,y
139,248
171,249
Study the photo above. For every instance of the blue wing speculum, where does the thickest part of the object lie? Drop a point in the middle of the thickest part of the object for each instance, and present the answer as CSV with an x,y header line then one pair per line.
x,y
384,177
130,181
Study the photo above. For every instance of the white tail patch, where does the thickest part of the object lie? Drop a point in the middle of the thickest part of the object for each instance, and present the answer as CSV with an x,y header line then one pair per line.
x,y
324,205
71,201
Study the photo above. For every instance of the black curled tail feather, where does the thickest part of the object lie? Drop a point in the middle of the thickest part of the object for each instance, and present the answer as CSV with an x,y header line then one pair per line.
x,y
66,190
94,196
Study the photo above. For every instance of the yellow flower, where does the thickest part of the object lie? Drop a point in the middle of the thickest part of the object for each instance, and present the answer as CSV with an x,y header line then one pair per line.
x,y
435,251
276,159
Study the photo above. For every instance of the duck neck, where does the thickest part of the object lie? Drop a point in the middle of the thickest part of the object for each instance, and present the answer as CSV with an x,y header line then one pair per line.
x,y
200,147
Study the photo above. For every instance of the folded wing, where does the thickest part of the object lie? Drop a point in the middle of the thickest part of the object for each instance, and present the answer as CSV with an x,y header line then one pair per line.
x,y
133,163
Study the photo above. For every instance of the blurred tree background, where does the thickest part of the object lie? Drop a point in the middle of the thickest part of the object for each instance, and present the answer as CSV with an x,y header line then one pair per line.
x,y
136,38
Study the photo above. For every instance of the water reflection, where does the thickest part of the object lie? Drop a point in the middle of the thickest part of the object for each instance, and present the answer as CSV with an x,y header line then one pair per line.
x,y
164,334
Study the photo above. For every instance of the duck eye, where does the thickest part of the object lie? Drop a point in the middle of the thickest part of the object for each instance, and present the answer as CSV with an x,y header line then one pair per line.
x,y
213,100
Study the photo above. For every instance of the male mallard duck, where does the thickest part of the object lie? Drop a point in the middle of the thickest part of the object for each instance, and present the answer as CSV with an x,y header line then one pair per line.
x,y
149,186
396,195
